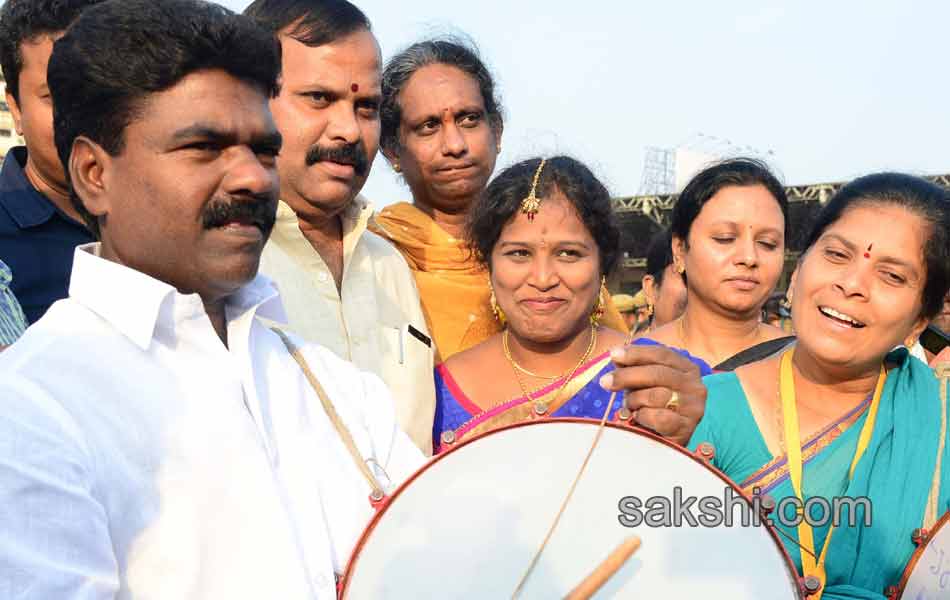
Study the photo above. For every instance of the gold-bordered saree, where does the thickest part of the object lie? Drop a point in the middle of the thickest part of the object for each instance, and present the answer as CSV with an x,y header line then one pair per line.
x,y
457,417
776,470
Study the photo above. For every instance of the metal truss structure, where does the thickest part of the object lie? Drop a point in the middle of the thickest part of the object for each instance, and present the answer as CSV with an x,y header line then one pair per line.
x,y
657,207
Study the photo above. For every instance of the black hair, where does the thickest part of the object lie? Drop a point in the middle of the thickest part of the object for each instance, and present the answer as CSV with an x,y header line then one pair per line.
x,y
462,55
311,22
118,52
922,198
705,184
775,306
659,255
503,196
25,20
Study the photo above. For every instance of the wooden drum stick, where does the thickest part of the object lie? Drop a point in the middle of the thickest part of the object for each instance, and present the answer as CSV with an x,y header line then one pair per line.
x,y
605,570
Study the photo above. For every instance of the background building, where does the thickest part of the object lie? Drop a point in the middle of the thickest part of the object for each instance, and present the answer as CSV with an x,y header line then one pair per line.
x,y
8,134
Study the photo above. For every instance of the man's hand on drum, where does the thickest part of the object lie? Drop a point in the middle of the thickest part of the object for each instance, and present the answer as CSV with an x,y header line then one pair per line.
x,y
663,389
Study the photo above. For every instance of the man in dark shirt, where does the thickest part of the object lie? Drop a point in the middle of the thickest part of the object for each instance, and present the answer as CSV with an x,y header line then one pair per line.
x,y
39,226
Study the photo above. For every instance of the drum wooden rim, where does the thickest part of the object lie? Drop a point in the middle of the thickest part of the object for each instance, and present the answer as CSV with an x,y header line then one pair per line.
x,y
380,512
919,552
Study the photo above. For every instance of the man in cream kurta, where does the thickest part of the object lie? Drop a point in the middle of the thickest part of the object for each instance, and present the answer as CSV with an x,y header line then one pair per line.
x,y
343,287
375,320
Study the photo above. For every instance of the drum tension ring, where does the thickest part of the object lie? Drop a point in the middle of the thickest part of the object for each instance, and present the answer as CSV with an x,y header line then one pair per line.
x,y
767,504
706,452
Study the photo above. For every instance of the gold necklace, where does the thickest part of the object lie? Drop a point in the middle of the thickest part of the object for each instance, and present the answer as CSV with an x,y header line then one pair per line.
x,y
507,350
541,407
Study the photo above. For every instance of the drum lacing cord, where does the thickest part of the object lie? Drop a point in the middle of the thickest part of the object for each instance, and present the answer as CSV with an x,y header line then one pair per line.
x,y
931,514
335,420
567,499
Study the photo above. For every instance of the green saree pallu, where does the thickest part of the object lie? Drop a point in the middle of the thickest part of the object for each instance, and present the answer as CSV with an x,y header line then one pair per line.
x,y
901,482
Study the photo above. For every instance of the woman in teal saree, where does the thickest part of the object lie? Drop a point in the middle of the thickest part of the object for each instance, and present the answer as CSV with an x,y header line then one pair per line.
x,y
840,415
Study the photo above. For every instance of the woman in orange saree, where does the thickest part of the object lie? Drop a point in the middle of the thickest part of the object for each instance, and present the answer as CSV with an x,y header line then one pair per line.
x,y
441,130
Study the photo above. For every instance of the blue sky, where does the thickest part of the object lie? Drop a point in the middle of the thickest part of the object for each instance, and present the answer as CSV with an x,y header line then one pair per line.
x,y
834,89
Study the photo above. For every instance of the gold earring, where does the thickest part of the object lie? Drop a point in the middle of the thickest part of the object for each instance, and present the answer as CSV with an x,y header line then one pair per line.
x,y
649,310
396,167
601,306
909,342
495,309
679,268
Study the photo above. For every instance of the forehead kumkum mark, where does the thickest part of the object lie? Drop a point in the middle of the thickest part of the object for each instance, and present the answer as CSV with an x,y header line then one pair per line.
x,y
867,253
355,88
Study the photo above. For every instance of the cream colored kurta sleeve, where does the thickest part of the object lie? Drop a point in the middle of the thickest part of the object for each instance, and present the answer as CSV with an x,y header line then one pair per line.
x,y
374,321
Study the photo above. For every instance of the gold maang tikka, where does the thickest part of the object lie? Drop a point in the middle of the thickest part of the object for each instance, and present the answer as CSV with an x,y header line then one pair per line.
x,y
531,204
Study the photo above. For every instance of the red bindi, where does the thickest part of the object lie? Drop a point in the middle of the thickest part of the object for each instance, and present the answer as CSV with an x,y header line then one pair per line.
x,y
355,88
867,253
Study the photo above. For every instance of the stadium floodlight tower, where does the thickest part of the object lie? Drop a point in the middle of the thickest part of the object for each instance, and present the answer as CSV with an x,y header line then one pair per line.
x,y
659,172
667,170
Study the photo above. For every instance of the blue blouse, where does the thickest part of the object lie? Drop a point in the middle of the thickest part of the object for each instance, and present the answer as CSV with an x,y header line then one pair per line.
x,y
453,408
704,368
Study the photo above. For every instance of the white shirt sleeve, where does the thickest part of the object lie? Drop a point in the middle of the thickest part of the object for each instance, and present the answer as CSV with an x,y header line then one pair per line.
x,y
54,534
364,401
395,451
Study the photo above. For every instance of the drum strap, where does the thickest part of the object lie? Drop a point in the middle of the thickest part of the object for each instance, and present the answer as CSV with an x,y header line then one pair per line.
x,y
932,513
567,499
811,566
377,492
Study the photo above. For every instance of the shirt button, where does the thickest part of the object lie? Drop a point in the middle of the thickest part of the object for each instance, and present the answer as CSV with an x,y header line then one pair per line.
x,y
323,277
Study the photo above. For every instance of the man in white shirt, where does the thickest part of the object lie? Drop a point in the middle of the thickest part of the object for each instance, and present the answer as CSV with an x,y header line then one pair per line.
x,y
342,286
157,441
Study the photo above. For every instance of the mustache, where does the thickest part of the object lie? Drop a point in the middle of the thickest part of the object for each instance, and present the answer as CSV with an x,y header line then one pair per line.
x,y
259,210
350,154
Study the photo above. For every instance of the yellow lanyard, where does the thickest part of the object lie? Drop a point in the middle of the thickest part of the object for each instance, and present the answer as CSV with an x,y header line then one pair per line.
x,y
794,455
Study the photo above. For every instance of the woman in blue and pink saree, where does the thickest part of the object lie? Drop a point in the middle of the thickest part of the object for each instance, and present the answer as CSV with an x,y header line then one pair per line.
x,y
847,435
547,234
458,417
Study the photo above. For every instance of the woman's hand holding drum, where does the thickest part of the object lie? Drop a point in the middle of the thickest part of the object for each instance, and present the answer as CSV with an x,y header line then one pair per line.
x,y
649,376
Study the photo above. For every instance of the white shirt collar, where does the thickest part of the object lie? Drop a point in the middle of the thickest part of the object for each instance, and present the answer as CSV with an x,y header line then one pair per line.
x,y
132,301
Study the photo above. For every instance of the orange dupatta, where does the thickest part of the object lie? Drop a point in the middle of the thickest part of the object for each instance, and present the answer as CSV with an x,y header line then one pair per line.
x,y
453,285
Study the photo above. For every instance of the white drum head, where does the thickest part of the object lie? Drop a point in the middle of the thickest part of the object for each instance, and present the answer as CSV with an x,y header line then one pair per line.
x,y
928,574
468,524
